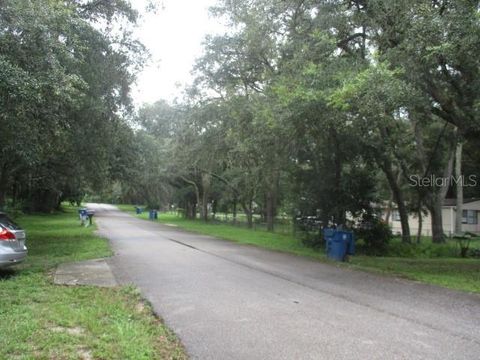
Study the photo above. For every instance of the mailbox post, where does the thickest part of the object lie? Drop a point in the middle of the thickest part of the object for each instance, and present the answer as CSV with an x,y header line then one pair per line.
x,y
90,214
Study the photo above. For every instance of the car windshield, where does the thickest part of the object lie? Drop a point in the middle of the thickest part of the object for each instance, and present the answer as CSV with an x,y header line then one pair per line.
x,y
7,222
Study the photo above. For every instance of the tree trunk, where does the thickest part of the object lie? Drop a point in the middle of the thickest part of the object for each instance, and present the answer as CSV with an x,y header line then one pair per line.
x,y
15,191
388,213
249,215
236,196
234,210
420,225
197,196
2,196
186,208
214,209
3,185
247,209
190,211
437,221
339,212
206,190
193,209
398,196
459,188
44,200
390,201
402,210
437,203
270,199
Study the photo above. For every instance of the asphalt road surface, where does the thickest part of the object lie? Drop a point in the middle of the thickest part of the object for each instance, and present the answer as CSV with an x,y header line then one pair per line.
x,y
230,301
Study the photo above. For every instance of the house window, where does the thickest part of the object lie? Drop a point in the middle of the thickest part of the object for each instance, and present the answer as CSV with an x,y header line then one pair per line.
x,y
469,217
395,215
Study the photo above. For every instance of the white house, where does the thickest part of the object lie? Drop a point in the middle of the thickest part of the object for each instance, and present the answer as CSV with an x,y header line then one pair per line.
x,y
470,219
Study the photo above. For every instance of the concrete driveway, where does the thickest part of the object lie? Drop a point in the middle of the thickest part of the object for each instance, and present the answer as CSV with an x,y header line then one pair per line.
x,y
230,301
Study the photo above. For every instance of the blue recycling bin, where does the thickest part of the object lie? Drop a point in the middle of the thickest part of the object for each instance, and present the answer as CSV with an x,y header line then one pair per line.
x,y
337,247
82,214
138,210
153,215
338,243
350,243
328,234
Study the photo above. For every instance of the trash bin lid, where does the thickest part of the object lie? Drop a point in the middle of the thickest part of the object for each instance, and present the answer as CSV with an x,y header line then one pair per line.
x,y
328,232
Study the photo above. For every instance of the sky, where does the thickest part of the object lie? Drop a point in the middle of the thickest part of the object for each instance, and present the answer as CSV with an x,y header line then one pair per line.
x,y
173,35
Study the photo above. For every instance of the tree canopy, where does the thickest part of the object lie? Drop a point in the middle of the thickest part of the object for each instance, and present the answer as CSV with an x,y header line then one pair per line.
x,y
65,77
324,108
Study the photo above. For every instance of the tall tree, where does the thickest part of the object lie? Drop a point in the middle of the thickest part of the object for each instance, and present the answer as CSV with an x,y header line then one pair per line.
x,y
65,82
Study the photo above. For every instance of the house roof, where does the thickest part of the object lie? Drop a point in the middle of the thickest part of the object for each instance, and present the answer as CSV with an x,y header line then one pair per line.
x,y
453,202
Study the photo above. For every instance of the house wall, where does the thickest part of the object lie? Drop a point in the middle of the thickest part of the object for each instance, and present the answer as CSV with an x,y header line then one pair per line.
x,y
396,226
475,228
448,218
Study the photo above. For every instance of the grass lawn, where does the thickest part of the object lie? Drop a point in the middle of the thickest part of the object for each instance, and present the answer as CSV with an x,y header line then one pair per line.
x,y
40,320
453,273
428,263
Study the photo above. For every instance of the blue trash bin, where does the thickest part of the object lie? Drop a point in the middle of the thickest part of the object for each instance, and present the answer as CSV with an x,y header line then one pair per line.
x,y
153,214
329,235
82,214
351,243
338,247
339,244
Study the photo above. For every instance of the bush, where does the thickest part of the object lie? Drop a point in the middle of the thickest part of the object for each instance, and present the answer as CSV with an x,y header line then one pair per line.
x,y
398,249
376,236
475,253
13,210
312,239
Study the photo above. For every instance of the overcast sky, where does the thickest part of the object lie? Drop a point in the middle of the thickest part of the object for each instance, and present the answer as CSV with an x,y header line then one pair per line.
x,y
173,36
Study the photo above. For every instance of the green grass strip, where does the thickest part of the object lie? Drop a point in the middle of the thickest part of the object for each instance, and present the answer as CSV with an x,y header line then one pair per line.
x,y
40,320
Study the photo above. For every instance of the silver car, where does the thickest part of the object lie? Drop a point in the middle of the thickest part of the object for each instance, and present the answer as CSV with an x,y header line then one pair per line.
x,y
12,242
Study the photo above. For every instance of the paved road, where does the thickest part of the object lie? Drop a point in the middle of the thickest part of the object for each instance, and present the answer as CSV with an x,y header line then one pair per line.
x,y
230,301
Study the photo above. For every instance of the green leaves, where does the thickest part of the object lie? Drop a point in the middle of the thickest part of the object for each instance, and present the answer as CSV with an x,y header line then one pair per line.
x,y
63,84
376,91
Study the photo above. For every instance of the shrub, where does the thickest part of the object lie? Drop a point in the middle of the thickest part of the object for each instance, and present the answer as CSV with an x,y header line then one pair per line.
x,y
475,253
312,239
376,236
